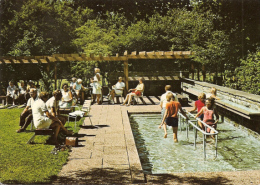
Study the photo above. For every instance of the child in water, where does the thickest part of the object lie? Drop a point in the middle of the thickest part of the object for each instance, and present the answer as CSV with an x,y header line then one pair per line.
x,y
209,111
198,106
171,116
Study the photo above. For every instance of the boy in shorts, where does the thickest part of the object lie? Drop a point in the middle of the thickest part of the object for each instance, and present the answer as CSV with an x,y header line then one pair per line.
x,y
171,116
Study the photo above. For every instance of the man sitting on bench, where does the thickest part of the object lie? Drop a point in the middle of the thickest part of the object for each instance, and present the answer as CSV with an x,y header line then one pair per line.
x,y
53,106
43,119
117,89
26,116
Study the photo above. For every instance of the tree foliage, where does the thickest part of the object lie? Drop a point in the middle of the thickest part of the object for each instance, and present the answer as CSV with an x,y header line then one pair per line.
x,y
248,74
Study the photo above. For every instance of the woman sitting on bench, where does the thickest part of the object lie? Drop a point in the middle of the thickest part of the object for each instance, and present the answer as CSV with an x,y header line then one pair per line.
x,y
66,100
134,92
41,121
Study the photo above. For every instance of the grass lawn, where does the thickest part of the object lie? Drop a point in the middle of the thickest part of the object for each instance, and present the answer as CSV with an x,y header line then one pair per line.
x,y
27,163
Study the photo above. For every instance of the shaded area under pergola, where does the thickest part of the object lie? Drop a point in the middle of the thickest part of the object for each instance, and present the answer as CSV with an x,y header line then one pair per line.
x,y
83,57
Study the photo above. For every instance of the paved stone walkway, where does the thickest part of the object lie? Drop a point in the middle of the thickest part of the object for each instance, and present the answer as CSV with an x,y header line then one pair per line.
x,y
107,154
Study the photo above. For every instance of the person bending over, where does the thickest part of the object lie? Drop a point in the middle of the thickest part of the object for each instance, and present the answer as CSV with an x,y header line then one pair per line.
x,y
171,116
42,119
134,92
117,89
26,116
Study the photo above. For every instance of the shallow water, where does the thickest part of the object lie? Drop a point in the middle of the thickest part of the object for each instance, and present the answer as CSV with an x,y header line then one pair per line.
x,y
236,149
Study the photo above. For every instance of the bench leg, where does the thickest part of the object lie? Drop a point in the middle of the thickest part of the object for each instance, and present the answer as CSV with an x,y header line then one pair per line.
x,y
31,140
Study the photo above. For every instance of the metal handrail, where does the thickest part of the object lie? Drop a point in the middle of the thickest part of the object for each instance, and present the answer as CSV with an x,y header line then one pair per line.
x,y
199,129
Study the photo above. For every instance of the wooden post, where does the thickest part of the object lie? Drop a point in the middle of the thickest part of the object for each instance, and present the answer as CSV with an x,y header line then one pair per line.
x,y
55,75
192,71
203,73
198,74
126,74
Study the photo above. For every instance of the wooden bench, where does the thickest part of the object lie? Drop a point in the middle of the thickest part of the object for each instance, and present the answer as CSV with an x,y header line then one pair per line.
x,y
38,132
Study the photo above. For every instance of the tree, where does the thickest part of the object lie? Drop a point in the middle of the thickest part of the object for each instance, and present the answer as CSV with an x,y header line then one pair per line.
x,y
248,74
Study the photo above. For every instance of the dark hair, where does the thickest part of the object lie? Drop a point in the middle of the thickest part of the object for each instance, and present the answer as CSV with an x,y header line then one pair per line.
x,y
64,85
211,100
43,95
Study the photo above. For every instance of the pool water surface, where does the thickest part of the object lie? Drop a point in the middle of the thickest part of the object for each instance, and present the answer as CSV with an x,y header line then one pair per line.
x,y
236,149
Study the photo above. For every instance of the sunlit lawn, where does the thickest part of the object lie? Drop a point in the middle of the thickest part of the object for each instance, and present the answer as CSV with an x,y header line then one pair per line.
x,y
27,163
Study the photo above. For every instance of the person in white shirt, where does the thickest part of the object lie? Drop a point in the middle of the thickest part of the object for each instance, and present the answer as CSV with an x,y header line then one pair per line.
x,y
26,116
11,93
96,86
22,93
117,89
42,119
134,92
53,106
66,100
163,99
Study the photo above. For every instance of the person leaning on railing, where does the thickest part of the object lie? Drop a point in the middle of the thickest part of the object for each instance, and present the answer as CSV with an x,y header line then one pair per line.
x,y
209,111
199,104
134,92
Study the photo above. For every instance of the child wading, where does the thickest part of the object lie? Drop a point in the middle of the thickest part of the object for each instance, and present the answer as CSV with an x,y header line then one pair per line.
x,y
209,111
171,116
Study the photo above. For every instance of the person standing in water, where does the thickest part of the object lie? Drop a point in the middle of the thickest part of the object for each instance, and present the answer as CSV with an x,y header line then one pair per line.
x,y
171,116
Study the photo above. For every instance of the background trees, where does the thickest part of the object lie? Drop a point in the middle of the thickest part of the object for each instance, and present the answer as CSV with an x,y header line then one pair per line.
x,y
221,32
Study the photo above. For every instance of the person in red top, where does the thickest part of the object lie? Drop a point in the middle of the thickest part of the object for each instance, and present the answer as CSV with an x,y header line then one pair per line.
x,y
171,116
198,105
209,111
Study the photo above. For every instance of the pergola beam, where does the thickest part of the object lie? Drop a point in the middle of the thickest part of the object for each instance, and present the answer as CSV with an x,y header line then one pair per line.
x,y
76,57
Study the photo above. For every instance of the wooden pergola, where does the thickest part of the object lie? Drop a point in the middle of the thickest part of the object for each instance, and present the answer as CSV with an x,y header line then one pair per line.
x,y
83,57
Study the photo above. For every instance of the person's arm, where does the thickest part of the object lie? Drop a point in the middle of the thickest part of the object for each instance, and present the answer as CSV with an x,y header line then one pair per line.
x,y
164,117
25,109
195,108
183,113
200,112
7,91
52,117
53,111
71,97
214,96
74,87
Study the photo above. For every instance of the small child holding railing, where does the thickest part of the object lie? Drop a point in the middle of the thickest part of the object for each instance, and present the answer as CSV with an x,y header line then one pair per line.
x,y
199,104
171,116
209,111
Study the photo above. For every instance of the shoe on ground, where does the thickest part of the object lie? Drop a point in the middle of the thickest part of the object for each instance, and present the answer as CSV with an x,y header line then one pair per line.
x,y
20,130
112,102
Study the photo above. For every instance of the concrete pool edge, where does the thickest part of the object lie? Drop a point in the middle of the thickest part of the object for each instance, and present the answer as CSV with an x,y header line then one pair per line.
x,y
133,156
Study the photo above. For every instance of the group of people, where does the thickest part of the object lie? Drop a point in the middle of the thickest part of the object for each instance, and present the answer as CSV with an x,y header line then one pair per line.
x,y
204,106
18,95
44,112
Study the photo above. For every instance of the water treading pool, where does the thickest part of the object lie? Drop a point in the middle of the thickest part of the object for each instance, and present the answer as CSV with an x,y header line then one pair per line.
x,y
236,149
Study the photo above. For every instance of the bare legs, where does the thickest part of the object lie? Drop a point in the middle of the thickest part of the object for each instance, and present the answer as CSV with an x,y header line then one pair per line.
x,y
175,130
128,98
98,98
57,126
